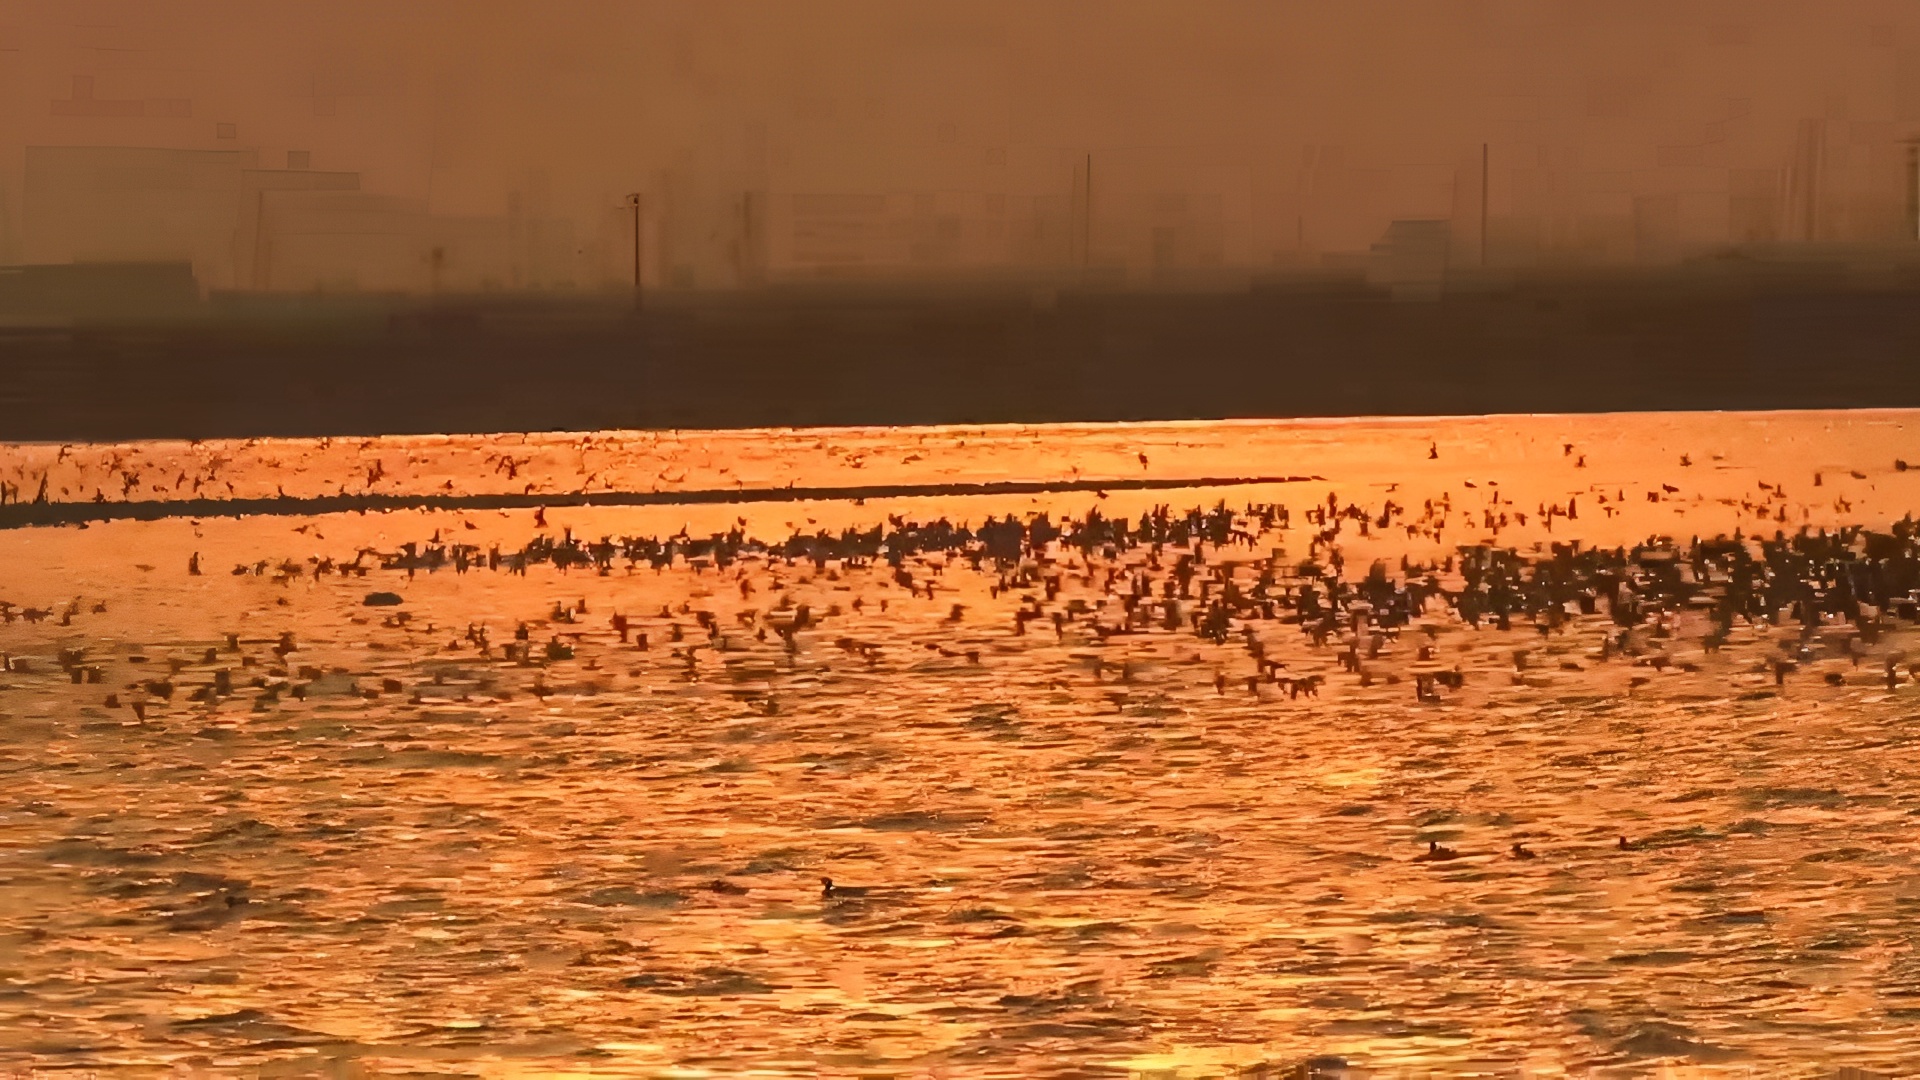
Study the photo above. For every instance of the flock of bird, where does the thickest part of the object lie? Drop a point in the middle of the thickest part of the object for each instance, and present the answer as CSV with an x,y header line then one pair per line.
x,y
1216,574
1203,571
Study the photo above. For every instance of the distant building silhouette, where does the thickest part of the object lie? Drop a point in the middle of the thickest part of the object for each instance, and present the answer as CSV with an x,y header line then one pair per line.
x,y
112,203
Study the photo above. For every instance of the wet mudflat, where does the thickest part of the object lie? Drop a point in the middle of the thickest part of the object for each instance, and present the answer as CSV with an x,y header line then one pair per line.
x,y
250,823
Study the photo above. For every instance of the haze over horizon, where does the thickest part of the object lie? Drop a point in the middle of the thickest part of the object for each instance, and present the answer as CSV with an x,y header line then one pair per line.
x,y
488,144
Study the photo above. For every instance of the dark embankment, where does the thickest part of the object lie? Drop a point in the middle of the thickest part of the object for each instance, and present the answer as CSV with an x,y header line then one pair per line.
x,y
1724,337
15,515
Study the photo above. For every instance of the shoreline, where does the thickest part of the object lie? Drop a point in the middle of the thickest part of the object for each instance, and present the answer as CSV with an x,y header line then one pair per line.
x,y
26,515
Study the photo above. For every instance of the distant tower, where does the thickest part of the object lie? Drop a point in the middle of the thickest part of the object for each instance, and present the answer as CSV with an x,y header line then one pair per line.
x,y
1485,184
1913,189
1807,166
1080,216
1086,231
635,201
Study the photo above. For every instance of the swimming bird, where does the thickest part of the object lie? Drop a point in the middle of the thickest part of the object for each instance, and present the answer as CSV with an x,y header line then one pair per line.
x,y
830,891
1521,851
1436,852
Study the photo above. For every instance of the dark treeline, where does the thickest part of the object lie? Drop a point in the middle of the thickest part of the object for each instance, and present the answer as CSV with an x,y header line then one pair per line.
x,y
1720,340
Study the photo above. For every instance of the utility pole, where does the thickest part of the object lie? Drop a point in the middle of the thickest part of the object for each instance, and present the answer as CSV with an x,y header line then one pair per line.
x,y
260,243
1086,229
1484,176
635,201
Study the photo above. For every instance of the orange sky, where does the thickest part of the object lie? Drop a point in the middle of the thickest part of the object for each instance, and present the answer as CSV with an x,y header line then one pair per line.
x,y
1313,123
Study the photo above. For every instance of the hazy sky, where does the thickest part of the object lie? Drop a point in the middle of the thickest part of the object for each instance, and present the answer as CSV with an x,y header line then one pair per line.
x,y
1300,108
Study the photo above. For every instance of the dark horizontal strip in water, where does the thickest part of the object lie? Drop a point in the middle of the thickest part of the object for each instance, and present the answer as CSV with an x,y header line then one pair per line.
x,y
19,515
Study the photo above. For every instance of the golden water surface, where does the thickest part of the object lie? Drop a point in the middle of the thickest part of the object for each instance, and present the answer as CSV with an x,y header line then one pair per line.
x,y
1084,857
